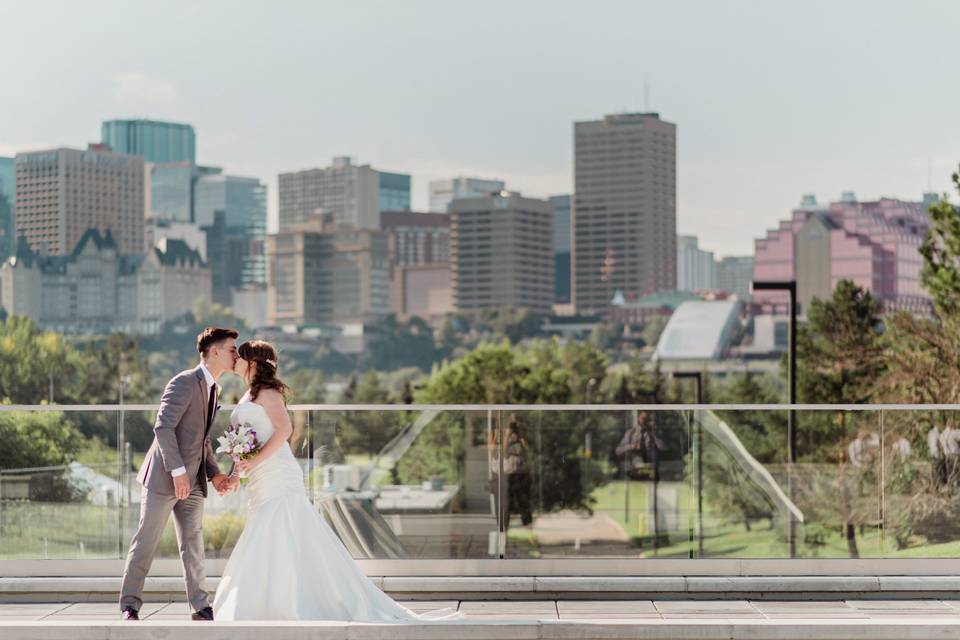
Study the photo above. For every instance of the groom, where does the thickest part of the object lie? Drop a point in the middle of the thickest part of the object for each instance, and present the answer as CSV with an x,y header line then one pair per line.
x,y
175,472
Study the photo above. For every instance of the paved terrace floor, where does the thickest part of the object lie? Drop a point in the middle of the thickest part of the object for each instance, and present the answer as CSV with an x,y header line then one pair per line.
x,y
532,619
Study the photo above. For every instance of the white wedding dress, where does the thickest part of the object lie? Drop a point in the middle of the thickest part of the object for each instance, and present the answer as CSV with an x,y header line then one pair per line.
x,y
288,563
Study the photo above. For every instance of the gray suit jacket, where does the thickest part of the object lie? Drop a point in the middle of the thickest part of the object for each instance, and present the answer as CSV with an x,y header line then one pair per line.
x,y
182,435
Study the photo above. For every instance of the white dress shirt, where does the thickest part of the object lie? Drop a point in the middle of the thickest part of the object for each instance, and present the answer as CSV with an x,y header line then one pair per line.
x,y
211,385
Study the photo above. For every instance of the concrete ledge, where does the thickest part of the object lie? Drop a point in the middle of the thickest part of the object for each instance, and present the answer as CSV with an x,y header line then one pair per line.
x,y
704,628
167,589
543,567
760,584
641,584
465,584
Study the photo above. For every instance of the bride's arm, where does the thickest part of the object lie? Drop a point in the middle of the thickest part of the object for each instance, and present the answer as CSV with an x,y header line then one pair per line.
x,y
276,408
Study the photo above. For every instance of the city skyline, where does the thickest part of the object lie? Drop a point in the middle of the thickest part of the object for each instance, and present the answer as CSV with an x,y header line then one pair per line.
x,y
755,132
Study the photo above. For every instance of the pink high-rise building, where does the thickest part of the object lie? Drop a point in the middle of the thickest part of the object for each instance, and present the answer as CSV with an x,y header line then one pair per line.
x,y
875,244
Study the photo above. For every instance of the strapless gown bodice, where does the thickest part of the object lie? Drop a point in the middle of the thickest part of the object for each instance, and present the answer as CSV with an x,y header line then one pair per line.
x,y
279,476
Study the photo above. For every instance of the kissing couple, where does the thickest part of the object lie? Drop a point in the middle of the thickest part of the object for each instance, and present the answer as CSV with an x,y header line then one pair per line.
x,y
288,564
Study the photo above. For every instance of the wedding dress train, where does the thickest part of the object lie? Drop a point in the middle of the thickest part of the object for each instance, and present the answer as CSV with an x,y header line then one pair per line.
x,y
288,563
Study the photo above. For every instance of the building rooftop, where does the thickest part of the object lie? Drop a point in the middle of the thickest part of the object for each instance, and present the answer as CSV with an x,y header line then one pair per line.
x,y
390,219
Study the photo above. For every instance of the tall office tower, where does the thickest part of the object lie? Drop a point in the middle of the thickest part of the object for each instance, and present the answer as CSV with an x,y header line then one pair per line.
x,y
394,191
172,189
561,248
624,209
242,230
8,201
501,252
443,192
154,140
695,267
734,275
63,192
348,193
421,238
328,275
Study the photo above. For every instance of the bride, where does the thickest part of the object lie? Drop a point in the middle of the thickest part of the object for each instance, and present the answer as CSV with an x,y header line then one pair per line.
x,y
288,563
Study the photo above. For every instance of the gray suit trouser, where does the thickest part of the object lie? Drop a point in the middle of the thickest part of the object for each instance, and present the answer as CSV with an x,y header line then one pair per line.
x,y
155,511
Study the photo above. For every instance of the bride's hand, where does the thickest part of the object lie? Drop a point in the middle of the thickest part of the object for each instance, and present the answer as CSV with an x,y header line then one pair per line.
x,y
246,466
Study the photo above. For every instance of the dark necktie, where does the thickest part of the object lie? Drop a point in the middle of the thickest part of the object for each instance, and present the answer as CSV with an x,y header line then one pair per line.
x,y
211,404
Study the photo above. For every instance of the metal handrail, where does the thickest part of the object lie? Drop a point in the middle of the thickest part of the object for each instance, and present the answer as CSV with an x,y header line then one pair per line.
x,y
517,407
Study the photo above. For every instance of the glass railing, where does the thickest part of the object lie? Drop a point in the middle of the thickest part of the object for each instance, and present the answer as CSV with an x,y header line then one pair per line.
x,y
525,482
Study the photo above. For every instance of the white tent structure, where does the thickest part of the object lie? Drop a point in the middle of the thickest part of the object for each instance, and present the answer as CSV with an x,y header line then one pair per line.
x,y
699,330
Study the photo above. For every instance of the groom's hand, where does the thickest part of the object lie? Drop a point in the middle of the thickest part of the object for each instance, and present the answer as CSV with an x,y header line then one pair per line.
x,y
181,486
221,483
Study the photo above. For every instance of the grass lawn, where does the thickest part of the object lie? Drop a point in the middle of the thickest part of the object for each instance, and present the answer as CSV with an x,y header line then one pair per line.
x,y
724,538
36,530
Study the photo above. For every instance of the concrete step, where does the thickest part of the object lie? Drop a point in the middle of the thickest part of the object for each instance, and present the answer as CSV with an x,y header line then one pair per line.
x,y
719,628
527,620
170,588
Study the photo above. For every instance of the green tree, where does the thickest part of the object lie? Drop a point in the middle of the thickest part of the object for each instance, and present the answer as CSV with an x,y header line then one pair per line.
x,y
306,386
923,353
543,371
840,358
33,362
923,356
448,337
211,314
109,363
839,354
606,336
762,433
368,432
41,440
652,328
396,344
940,251
37,439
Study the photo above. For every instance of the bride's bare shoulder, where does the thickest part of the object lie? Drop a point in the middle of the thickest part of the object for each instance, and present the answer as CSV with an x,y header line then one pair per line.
x,y
270,398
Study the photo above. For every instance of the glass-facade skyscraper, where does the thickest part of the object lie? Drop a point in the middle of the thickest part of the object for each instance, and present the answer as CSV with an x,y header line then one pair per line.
x,y
561,248
155,141
394,191
8,199
172,190
243,202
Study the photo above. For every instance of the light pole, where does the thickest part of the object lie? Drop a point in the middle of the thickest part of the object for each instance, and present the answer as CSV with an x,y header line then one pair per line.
x,y
789,286
697,454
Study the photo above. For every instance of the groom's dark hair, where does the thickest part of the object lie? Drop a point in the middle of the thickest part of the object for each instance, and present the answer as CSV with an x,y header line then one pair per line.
x,y
213,335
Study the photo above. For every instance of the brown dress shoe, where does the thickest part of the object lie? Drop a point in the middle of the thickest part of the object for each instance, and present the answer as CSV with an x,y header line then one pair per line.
x,y
129,613
204,614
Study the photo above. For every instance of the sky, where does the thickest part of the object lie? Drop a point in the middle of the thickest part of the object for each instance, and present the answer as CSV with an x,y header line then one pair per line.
x,y
772,99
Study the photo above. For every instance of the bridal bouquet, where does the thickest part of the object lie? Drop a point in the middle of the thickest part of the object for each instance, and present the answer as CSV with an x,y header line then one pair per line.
x,y
239,442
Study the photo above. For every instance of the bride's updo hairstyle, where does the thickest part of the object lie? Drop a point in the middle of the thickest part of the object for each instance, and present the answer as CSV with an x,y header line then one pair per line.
x,y
265,373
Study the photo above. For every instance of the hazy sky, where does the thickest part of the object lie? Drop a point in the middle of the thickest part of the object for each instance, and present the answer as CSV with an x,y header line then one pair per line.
x,y
771,99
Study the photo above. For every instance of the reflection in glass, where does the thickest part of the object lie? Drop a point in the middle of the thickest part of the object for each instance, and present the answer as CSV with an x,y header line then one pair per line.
x,y
62,486
525,483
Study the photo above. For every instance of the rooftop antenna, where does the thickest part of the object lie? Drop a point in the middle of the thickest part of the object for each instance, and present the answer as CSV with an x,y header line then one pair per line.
x,y
929,174
646,97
